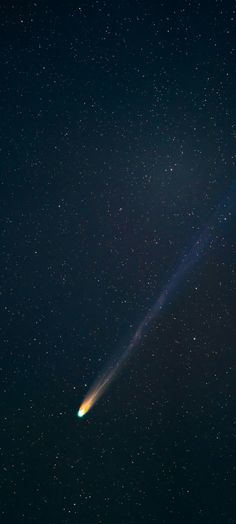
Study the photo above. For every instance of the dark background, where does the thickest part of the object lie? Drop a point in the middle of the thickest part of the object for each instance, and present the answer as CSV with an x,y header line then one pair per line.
x,y
118,140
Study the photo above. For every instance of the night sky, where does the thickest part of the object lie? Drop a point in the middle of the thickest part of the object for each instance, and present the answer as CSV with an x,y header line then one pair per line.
x,y
118,141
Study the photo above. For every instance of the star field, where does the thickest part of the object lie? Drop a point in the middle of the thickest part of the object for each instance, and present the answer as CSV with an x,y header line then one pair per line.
x,y
118,141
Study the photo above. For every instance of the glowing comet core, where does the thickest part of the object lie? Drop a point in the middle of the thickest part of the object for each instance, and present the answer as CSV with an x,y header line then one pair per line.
x,y
84,408
96,392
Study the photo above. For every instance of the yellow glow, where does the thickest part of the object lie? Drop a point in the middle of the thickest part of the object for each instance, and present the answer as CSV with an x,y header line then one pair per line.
x,y
94,394
85,407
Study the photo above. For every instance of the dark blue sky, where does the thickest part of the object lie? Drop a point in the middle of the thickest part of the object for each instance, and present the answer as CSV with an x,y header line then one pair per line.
x,y
118,141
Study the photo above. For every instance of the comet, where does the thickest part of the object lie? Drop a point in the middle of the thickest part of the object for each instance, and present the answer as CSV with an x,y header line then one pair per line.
x,y
200,247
